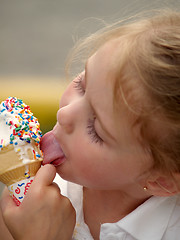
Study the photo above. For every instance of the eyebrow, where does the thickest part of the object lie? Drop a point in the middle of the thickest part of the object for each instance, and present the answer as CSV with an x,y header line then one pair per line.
x,y
94,110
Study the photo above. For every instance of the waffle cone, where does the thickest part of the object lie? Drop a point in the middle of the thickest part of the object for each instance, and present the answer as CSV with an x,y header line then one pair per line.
x,y
19,173
12,169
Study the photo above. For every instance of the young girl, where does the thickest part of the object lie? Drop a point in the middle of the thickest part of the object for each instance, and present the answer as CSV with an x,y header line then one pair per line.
x,y
116,141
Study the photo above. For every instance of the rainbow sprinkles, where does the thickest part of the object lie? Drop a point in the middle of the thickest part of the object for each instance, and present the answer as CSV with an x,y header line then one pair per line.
x,y
19,127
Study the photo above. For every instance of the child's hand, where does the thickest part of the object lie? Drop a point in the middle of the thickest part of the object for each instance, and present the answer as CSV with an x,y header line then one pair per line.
x,y
44,212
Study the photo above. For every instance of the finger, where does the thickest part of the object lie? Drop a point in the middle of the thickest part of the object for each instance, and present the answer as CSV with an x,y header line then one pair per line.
x,y
6,200
45,175
55,185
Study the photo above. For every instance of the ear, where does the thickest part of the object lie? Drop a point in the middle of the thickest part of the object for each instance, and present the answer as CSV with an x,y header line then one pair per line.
x,y
163,185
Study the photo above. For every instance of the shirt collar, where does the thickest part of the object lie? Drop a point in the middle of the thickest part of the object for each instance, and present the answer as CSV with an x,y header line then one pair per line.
x,y
149,221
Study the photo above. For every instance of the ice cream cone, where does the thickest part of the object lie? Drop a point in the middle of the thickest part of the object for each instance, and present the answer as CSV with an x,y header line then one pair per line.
x,y
13,170
17,176
20,155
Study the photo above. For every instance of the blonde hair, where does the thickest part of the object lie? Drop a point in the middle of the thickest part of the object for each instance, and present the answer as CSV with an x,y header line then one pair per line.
x,y
152,50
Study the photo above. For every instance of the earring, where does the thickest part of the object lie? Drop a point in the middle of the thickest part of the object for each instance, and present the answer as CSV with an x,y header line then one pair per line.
x,y
145,189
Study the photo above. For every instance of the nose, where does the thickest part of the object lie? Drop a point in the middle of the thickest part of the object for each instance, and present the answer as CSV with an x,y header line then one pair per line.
x,y
65,119
70,115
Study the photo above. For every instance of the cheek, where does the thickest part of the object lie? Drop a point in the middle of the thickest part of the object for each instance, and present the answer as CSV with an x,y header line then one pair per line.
x,y
88,161
83,154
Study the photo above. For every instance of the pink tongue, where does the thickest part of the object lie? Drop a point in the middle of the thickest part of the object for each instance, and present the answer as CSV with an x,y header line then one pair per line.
x,y
51,149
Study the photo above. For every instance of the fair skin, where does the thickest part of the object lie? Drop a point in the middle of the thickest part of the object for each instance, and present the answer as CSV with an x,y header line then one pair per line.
x,y
114,166
101,149
113,157
44,214
111,164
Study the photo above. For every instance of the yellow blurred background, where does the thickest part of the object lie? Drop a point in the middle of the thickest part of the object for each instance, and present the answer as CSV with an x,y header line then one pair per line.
x,y
41,94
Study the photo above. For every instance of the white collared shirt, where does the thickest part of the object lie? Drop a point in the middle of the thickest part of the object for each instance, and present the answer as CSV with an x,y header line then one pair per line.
x,y
156,219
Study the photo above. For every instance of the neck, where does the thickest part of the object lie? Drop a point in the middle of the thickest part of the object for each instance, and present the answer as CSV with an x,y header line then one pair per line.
x,y
111,201
107,207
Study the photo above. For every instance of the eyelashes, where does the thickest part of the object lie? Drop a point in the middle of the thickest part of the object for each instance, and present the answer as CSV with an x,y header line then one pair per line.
x,y
78,84
90,125
92,132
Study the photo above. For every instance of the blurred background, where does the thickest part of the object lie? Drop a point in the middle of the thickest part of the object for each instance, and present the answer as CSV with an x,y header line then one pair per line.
x,y
36,36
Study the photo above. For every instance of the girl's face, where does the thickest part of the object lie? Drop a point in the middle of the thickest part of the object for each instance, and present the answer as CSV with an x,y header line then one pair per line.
x,y
95,149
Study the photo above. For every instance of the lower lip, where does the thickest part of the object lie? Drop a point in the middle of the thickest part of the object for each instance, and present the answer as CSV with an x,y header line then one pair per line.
x,y
58,162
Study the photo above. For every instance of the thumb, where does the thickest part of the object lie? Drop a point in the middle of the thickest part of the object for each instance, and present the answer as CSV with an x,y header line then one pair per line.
x,y
45,175
6,200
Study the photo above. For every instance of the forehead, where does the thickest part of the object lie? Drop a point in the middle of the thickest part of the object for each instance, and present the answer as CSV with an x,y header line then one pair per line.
x,y
119,73
103,61
104,74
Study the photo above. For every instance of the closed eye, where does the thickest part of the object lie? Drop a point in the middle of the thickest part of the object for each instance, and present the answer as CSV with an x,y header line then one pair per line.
x,y
92,132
